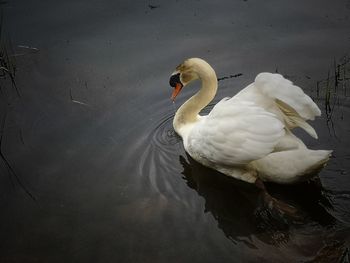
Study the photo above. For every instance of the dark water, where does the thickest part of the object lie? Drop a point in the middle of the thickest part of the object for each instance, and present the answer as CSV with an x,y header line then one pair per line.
x,y
89,132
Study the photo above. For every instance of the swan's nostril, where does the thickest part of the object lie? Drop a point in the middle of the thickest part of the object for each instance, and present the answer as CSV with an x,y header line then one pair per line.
x,y
174,79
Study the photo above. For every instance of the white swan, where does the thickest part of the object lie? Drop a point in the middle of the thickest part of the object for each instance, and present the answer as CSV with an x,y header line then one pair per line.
x,y
249,135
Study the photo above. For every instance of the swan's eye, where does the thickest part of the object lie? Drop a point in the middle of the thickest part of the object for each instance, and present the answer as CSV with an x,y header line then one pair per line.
x,y
174,79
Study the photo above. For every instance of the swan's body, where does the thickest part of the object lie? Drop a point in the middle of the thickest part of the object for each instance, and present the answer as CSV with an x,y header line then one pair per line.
x,y
249,135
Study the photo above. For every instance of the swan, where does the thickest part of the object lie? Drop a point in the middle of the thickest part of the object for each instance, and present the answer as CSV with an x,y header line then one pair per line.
x,y
249,136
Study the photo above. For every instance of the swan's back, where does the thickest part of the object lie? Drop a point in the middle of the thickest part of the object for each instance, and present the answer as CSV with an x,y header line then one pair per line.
x,y
235,132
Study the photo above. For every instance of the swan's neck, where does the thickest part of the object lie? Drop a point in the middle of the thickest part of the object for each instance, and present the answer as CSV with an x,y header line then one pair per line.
x,y
188,112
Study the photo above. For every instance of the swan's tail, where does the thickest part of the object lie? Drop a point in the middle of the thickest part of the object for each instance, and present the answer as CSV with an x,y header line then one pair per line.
x,y
292,166
321,157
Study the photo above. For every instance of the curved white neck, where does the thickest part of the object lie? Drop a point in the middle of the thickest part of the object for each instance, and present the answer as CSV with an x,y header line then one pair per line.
x,y
188,112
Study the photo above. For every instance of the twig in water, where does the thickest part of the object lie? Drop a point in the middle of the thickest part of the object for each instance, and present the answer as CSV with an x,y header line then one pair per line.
x,y
153,6
21,136
333,89
230,77
9,166
27,47
7,66
76,101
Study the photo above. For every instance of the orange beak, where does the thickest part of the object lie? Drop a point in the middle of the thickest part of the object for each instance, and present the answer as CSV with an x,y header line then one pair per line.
x,y
176,91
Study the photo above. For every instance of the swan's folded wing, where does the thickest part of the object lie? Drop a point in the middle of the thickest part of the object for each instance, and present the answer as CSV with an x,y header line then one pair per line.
x,y
235,132
277,87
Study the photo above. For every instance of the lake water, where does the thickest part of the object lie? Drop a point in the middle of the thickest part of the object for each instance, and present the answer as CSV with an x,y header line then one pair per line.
x,y
95,172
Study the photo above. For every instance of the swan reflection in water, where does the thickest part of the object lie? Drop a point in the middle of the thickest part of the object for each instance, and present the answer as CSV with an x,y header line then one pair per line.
x,y
243,216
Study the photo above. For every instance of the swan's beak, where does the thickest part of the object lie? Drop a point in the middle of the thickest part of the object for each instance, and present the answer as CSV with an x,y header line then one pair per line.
x,y
176,83
176,91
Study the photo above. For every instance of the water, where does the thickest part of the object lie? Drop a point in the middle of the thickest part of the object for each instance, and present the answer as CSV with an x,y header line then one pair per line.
x,y
91,137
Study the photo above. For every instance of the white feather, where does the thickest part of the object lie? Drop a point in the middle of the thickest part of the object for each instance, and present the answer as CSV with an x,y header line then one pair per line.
x,y
229,134
276,86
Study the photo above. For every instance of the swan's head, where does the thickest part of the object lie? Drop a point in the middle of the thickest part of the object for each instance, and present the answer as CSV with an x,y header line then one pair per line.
x,y
191,69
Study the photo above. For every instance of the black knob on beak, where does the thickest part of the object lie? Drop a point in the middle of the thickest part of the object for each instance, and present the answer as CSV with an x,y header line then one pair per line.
x,y
174,79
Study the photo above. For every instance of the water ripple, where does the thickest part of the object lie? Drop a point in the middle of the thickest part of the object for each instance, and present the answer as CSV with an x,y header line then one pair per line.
x,y
160,147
